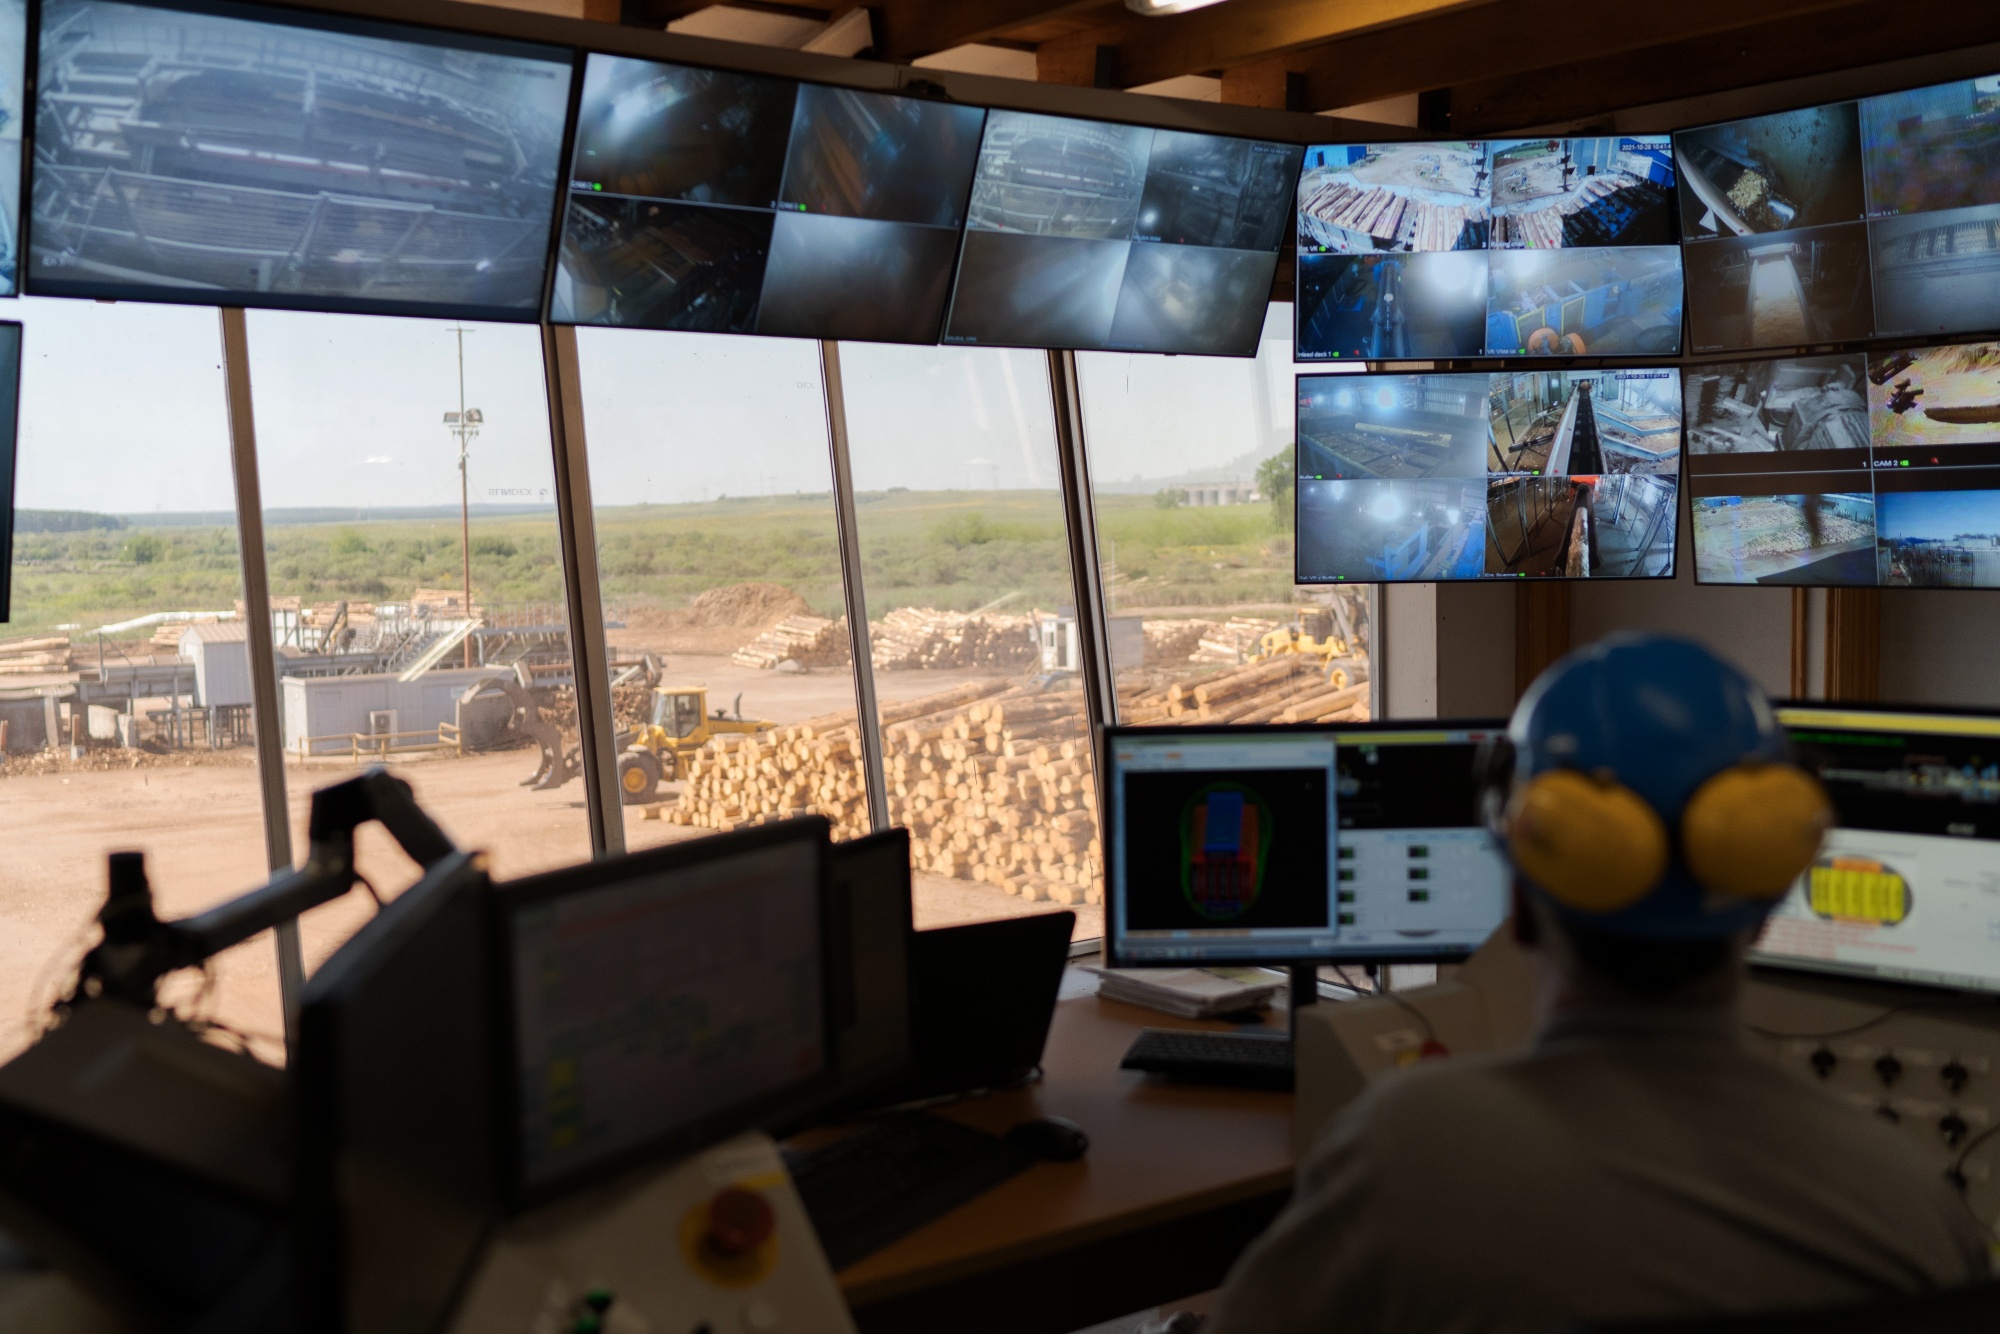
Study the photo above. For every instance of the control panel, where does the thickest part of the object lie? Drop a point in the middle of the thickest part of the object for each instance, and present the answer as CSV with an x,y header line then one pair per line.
x,y
716,1244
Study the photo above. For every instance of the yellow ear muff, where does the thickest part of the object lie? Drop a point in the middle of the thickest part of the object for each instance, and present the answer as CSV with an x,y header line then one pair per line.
x,y
1591,844
1751,830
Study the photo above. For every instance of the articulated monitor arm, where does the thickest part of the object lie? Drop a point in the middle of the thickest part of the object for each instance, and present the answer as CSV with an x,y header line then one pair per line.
x,y
139,949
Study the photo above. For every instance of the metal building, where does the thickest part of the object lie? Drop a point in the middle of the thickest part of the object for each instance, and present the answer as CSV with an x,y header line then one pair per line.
x,y
221,656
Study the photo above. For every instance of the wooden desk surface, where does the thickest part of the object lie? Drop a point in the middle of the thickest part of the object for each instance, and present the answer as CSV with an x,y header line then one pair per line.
x,y
1158,1153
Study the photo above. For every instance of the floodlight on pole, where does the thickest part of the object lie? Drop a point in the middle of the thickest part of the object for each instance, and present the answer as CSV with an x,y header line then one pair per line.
x,y
464,424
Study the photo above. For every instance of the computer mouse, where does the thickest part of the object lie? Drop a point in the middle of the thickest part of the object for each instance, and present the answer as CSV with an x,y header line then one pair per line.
x,y
1051,1138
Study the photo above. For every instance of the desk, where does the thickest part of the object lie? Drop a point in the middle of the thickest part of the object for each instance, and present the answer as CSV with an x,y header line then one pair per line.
x,y
1177,1181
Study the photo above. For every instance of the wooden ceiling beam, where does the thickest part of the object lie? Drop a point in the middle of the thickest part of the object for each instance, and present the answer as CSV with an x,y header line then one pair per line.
x,y
906,29
1492,43
1853,36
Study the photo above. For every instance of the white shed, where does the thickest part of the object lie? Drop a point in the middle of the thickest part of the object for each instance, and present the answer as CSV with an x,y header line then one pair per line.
x,y
220,653
336,707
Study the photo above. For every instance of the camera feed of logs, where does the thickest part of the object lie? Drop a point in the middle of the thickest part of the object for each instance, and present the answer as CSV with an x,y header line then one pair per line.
x,y
1094,236
1529,247
1876,218
716,202
242,157
1855,470
1525,474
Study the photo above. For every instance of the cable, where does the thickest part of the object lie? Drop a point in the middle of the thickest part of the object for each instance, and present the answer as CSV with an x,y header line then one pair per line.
x,y
1430,1031
1955,1174
1953,1003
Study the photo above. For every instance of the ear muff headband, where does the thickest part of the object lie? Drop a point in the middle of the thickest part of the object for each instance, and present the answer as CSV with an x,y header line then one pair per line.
x,y
1596,846
1752,830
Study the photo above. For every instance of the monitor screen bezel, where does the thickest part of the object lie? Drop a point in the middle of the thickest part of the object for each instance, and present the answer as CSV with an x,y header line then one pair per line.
x,y
1562,367
279,15
565,194
769,1110
10,452
1277,254
1114,957
1778,963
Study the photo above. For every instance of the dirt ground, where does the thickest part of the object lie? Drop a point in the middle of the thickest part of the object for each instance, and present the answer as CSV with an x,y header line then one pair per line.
x,y
202,830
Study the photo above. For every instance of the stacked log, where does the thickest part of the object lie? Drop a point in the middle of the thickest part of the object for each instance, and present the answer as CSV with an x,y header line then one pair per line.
x,y
29,657
1172,643
810,641
1234,641
1292,688
918,638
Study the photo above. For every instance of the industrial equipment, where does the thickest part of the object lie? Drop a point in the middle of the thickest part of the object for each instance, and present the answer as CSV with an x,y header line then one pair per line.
x,y
681,723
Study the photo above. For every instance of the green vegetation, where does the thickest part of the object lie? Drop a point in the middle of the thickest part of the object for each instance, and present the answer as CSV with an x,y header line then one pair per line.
x,y
952,549
62,521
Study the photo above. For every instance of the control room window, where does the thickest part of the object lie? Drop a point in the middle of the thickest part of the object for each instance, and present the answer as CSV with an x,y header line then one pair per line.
x,y
382,657
970,605
124,671
1191,462
719,564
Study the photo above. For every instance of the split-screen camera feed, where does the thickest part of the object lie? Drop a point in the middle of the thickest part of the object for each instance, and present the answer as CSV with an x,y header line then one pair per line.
x,y
13,107
1851,470
252,157
715,202
1088,235
1525,247
1527,474
1877,218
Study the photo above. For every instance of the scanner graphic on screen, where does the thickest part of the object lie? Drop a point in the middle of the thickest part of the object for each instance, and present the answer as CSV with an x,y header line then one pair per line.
x,y
1858,889
1225,846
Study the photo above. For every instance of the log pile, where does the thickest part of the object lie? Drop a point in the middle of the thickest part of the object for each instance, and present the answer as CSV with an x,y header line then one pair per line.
x,y
1234,641
917,638
810,641
1172,643
30,657
1292,688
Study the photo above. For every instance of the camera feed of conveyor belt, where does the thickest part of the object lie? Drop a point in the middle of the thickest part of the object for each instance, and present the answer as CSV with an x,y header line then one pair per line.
x,y
1853,470
715,202
1529,474
230,160
1094,236
1517,248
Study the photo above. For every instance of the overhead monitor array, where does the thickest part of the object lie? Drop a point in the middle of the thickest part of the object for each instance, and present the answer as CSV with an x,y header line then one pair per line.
x,y
1514,248
1509,475
1859,220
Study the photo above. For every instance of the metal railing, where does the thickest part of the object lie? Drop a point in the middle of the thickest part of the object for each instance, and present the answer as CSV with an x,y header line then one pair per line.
x,y
380,745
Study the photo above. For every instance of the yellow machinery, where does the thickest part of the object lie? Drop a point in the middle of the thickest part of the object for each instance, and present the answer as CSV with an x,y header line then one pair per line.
x,y
1312,634
681,724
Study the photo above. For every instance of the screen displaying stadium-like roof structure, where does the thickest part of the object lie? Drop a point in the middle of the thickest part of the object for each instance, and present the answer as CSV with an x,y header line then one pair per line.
x,y
231,160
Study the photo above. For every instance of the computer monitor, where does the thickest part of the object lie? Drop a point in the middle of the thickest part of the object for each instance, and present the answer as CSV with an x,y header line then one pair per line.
x,y
1347,844
662,1000
10,417
869,931
1906,887
1531,474
1094,236
398,1167
713,201
13,108
233,154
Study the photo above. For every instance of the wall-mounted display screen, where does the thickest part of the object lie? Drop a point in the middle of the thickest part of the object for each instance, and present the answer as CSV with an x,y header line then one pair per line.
x,y
10,416
1851,469
13,115
1877,218
1521,474
1519,247
1094,236
239,155
718,202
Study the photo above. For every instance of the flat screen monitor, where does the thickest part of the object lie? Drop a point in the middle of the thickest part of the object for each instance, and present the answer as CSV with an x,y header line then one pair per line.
x,y
664,1000
1505,475
717,202
1853,469
1088,235
398,1129
1907,884
1515,248
13,113
232,154
1274,844
10,417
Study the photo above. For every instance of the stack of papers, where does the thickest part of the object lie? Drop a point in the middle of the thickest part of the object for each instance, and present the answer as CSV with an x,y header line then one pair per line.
x,y
1192,993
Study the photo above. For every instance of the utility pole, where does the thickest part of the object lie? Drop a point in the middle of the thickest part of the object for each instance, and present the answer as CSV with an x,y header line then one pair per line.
x,y
465,425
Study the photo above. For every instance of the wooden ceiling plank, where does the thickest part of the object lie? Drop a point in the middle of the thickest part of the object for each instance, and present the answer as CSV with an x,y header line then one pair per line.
x,y
1851,37
906,29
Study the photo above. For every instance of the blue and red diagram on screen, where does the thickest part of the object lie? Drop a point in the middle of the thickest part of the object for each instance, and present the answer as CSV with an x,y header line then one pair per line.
x,y
1225,844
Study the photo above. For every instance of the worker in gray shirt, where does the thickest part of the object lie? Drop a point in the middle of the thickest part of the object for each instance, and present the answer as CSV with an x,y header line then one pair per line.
x,y
1637,1161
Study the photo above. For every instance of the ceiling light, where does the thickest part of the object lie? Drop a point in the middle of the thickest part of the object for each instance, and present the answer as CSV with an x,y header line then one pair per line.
x,y
1153,9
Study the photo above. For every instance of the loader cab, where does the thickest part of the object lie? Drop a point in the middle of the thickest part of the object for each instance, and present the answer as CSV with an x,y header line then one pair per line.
x,y
678,713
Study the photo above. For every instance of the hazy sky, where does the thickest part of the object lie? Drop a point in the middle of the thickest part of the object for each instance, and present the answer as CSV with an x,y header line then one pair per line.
x,y
122,410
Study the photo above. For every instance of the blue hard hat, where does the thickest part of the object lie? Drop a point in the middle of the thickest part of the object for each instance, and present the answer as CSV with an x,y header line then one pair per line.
x,y
1661,715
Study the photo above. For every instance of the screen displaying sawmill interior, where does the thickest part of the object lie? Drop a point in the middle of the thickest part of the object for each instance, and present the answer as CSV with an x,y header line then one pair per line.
x,y
1385,307
1594,302
226,159
1360,199
1391,426
1777,290
1391,531
1567,193
1581,527
1587,422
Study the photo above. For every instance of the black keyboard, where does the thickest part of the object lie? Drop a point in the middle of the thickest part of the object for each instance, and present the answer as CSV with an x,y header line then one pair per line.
x,y
868,1188
1256,1060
